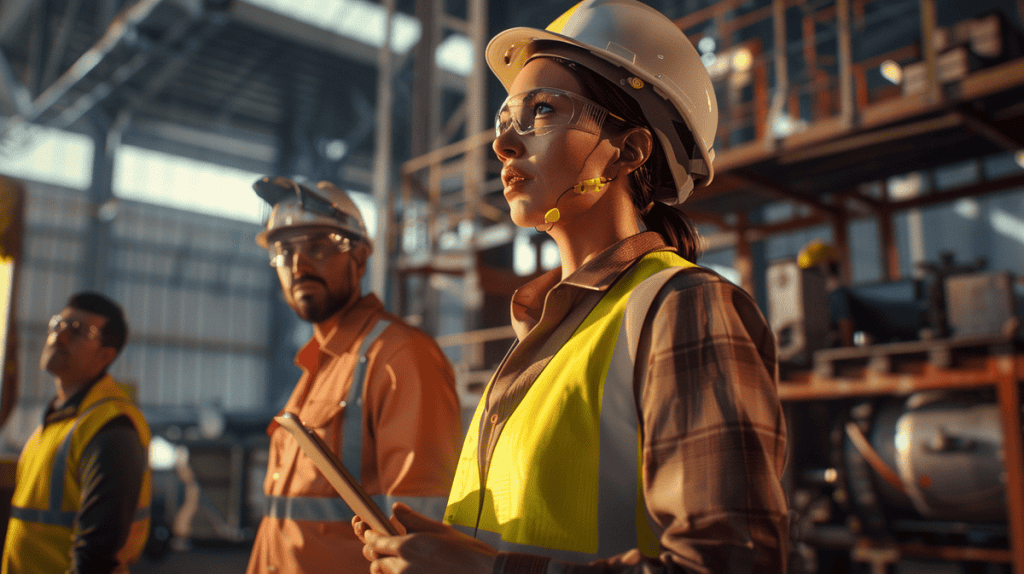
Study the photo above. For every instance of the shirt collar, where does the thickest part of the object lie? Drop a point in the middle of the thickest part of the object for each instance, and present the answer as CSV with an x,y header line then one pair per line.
x,y
338,341
70,407
598,274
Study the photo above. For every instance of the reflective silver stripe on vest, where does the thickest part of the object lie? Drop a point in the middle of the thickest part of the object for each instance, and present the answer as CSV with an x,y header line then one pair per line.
x,y
306,508
620,427
53,515
352,436
334,509
48,517
495,541
60,459
429,506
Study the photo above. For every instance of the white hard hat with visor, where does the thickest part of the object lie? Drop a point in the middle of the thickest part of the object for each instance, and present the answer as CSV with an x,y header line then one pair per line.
x,y
317,222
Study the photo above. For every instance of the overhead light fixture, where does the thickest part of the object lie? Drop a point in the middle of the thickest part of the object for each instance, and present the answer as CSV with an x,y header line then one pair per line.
x,y
1019,158
706,44
891,71
455,54
742,59
335,149
784,125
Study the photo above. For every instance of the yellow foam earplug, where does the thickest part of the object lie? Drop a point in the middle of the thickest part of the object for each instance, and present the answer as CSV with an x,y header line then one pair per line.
x,y
552,215
591,185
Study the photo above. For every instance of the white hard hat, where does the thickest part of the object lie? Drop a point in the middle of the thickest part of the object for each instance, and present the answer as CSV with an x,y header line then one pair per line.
x,y
640,49
298,208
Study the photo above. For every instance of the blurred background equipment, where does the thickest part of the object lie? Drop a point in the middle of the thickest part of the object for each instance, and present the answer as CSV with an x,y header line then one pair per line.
x,y
12,214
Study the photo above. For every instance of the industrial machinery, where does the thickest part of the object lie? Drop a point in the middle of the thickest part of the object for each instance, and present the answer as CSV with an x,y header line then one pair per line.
x,y
907,448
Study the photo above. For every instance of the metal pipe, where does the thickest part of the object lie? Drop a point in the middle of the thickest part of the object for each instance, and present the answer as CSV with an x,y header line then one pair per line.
x,y
382,158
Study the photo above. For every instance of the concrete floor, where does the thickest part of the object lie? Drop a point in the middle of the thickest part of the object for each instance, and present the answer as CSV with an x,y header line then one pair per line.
x,y
198,559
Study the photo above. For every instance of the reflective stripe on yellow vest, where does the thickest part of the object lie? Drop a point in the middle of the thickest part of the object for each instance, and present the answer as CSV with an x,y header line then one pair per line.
x,y
47,493
564,479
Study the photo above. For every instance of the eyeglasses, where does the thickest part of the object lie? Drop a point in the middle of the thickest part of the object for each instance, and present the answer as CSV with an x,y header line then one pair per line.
x,y
543,110
316,247
58,324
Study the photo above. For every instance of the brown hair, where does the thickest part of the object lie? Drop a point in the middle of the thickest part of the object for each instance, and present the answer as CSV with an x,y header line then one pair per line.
x,y
673,225
115,330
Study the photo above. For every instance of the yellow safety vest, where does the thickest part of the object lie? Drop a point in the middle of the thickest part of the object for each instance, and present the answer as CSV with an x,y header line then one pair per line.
x,y
565,478
48,489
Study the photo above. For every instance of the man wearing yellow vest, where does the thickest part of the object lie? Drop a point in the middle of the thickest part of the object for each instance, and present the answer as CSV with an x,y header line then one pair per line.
x,y
81,500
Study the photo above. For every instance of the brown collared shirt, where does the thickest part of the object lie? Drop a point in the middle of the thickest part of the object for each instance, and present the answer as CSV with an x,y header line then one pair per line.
x,y
714,434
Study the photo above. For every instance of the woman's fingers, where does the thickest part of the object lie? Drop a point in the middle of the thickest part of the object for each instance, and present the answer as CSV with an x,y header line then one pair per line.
x,y
412,521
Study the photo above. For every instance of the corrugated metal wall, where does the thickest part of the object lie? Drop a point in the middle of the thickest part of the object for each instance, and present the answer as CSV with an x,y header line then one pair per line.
x,y
195,288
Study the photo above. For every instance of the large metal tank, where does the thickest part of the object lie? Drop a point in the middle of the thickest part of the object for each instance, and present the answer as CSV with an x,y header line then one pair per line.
x,y
933,457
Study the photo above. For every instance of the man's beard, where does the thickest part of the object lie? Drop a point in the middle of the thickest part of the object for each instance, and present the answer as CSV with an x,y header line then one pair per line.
x,y
313,312
318,308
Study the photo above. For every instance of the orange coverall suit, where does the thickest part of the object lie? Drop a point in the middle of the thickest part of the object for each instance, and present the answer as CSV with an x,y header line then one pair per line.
x,y
411,435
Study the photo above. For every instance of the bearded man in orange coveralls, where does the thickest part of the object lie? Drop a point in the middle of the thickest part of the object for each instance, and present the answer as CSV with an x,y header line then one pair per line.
x,y
378,390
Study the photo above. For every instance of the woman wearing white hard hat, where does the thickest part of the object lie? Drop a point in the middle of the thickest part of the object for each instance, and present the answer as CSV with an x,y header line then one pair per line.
x,y
635,424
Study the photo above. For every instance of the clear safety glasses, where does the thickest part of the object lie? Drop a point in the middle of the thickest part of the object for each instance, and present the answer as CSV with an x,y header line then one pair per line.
x,y
316,247
78,330
543,110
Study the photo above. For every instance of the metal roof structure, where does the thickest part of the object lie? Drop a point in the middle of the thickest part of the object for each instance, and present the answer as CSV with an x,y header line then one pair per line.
x,y
227,82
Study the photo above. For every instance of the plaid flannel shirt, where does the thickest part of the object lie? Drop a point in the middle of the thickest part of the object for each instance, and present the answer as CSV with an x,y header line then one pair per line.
x,y
714,433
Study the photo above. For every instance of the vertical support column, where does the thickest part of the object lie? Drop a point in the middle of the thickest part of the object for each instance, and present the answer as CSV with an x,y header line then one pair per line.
x,y
281,320
841,239
476,102
97,240
1013,448
744,256
846,110
425,122
781,62
382,158
928,25
887,238
810,51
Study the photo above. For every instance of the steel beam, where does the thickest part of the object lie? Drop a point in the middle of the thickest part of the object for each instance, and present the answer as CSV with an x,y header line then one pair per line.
x,y
13,14
12,93
118,31
55,55
281,25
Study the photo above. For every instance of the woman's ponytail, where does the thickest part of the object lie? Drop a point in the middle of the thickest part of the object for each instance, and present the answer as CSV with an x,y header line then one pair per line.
x,y
675,227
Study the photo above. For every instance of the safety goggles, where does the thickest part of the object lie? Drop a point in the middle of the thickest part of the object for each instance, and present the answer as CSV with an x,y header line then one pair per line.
x,y
78,330
543,110
317,247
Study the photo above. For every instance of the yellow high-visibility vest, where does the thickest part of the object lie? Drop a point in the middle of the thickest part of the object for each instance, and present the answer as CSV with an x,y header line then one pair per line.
x,y
565,478
47,493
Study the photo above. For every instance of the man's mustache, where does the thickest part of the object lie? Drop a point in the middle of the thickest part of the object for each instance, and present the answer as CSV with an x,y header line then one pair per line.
x,y
307,278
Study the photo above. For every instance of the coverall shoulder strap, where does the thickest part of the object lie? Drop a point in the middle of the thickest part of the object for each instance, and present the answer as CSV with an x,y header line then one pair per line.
x,y
352,436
